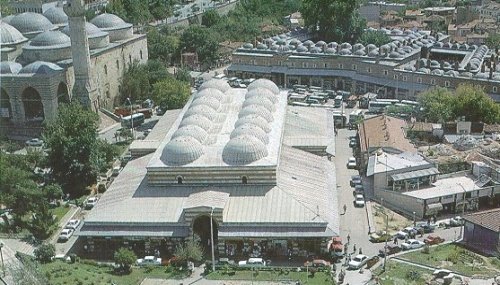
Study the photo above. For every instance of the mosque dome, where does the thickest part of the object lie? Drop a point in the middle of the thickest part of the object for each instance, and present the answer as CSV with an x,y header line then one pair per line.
x,y
211,102
264,83
301,48
41,67
10,67
345,51
258,110
92,30
330,51
261,46
252,130
262,92
50,38
260,100
197,120
10,35
7,19
218,84
243,150
182,150
56,15
31,23
394,54
248,46
191,131
201,110
360,52
253,119
210,92
109,21
315,50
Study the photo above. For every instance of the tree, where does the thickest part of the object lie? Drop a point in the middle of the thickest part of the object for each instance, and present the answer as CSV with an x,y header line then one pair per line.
x,y
200,40
53,192
475,105
162,45
5,8
43,223
377,38
45,252
182,74
159,9
190,251
493,41
107,153
72,141
125,258
210,18
333,20
171,93
135,83
133,11
437,105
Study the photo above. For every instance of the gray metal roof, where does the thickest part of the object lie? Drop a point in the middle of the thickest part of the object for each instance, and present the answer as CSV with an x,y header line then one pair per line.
x,y
274,232
308,126
415,174
133,230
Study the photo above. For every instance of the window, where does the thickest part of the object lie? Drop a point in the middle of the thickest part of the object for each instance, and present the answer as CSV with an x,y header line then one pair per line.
x,y
354,67
396,76
244,180
326,65
419,80
117,65
106,69
433,81
341,66
141,54
495,89
405,78
386,72
130,58
447,84
179,179
369,70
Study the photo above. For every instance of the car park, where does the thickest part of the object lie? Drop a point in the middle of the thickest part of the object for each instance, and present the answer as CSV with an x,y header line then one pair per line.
x,y
406,232
35,142
91,202
351,163
73,224
433,239
148,260
359,201
380,236
412,244
355,180
358,261
65,235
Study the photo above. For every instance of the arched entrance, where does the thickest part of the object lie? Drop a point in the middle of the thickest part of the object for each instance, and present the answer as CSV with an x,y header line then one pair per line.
x,y
201,230
62,94
5,108
33,106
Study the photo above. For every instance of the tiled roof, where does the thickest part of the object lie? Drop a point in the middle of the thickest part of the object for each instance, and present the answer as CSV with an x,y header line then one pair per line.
x,y
491,128
384,131
489,219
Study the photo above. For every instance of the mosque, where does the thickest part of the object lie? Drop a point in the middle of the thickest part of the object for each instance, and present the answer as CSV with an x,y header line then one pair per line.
x,y
57,57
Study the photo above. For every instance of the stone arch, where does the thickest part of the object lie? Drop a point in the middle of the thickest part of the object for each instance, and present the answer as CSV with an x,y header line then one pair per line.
x,y
244,180
5,107
33,106
62,94
201,228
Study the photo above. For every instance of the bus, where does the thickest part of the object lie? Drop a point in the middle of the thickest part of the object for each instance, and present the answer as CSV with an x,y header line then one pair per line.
x,y
355,117
365,100
338,101
339,119
344,94
297,86
379,105
134,120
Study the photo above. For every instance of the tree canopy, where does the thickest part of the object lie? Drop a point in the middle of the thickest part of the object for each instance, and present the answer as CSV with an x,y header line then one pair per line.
x,y
171,93
333,20
377,38
125,258
202,41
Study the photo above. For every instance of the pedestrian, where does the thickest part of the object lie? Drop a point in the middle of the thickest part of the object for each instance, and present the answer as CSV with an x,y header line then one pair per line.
x,y
345,248
360,251
406,238
434,219
345,208
348,238
396,240
354,248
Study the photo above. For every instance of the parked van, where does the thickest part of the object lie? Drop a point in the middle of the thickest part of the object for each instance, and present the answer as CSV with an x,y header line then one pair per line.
x,y
253,262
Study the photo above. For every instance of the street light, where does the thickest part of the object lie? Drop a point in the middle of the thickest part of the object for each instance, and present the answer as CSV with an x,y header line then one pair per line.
x,y
212,238
463,207
131,118
1,255
386,230
414,219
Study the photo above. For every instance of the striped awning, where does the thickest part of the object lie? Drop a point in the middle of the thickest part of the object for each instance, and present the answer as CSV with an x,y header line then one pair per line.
x,y
415,174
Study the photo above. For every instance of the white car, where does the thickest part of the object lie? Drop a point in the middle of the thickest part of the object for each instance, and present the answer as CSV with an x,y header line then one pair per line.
x,y
72,224
412,244
65,234
36,142
402,234
359,201
358,261
148,260
91,202
351,163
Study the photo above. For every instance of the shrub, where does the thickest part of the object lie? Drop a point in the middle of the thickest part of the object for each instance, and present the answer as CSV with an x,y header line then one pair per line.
x,y
412,275
45,252
426,249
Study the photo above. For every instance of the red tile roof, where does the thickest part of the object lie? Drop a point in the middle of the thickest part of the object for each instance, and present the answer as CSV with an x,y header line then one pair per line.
x,y
489,219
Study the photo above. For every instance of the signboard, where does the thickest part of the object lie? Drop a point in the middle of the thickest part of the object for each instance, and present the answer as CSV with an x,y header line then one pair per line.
x,y
4,113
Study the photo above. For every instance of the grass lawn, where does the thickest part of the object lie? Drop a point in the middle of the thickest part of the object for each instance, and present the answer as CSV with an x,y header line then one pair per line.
x,y
399,273
457,259
319,277
83,273
60,211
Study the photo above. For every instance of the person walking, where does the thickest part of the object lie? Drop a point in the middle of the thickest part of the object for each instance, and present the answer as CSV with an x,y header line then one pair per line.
x,y
348,238
396,240
354,248
360,251
345,208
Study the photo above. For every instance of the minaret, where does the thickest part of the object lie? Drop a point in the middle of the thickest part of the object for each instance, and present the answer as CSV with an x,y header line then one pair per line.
x,y
83,90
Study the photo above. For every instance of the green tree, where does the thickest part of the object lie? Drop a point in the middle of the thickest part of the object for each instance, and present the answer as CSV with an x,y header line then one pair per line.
x,y
43,223
53,192
377,38
182,74
200,40
475,105
45,252
438,105
162,45
210,18
171,93
125,258
493,41
333,20
190,251
159,9
72,141
5,8
135,82
133,11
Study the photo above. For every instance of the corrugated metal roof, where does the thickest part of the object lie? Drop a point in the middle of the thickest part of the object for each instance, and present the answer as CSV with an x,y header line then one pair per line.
x,y
415,174
489,219
309,127
445,187
128,230
277,231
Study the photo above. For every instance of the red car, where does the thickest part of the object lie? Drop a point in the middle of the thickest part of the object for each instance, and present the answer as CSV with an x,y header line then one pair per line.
x,y
430,240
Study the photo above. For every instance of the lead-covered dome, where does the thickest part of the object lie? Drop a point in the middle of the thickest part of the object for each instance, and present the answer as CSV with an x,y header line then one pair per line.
x,y
253,119
10,35
56,16
31,23
260,100
10,67
91,29
50,39
182,150
210,92
191,131
41,67
109,21
258,110
264,92
243,150
207,101
218,84
264,83
197,120
252,130
202,110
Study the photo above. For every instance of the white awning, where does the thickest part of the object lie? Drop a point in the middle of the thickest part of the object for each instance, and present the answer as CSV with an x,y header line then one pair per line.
x,y
415,174
434,208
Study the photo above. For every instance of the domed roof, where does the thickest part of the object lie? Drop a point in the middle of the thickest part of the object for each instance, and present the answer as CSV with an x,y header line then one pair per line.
x,y
56,15
248,46
394,54
302,48
109,21
91,29
258,110
424,70
308,43
345,51
360,52
330,51
10,35
373,52
207,101
197,120
191,131
7,19
253,119
202,110
261,46
264,83
261,100
243,150
182,150
28,23
218,84
41,67
252,130
50,38
358,46
320,43
346,45
451,73
210,92
262,92
10,67
437,72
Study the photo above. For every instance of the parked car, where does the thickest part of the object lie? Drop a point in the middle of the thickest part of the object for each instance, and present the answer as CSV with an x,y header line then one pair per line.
x,y
65,235
351,163
359,200
355,180
353,143
73,224
253,262
390,249
146,132
454,222
380,236
440,273
35,142
317,263
427,228
358,261
91,202
412,244
402,234
148,260
359,189
433,239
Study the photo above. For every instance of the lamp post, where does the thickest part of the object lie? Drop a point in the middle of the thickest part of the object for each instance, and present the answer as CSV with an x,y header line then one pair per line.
x,y
1,255
131,118
212,238
463,207
414,219
386,230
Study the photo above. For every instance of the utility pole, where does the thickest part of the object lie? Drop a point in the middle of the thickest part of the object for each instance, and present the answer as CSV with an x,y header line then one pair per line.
x,y
212,238
386,230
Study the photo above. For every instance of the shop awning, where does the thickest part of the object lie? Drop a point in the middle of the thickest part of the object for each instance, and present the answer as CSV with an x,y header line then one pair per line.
x,y
434,208
415,174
